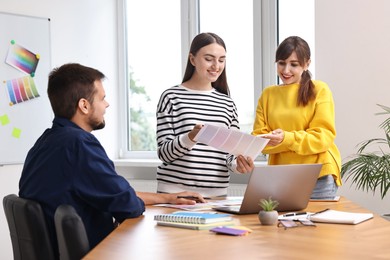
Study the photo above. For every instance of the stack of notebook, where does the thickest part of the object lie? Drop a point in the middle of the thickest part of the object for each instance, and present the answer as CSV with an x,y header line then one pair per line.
x,y
194,220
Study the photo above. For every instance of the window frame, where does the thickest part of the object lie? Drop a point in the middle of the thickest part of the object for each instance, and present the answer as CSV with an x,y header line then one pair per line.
x,y
265,42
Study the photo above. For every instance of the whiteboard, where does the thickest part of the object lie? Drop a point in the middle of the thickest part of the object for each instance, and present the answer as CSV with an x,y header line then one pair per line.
x,y
25,110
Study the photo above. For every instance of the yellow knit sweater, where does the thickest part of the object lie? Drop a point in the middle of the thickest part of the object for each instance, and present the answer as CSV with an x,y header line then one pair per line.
x,y
309,131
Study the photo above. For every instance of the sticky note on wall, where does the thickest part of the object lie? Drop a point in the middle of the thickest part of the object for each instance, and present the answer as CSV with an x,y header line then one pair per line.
x,y
4,120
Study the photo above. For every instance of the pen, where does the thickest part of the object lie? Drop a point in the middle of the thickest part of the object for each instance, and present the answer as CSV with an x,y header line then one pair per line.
x,y
318,212
191,198
294,214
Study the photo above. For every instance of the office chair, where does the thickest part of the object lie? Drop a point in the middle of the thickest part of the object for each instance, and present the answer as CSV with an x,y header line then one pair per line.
x,y
28,229
72,237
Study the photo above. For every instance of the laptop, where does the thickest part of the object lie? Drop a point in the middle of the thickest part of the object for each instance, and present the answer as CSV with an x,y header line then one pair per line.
x,y
291,185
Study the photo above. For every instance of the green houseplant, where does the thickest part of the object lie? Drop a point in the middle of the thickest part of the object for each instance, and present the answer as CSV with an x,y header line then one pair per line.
x,y
268,215
371,170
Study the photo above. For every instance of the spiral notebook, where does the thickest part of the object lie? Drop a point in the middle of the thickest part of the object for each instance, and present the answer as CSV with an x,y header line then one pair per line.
x,y
189,217
196,226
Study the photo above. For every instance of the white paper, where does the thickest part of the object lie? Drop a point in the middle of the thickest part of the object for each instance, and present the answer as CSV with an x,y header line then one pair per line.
x,y
231,141
340,217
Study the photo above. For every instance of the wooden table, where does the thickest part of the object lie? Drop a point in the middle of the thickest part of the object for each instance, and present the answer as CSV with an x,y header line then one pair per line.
x,y
141,238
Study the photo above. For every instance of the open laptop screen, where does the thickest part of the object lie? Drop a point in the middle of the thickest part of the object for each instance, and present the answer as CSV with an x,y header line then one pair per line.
x,y
291,185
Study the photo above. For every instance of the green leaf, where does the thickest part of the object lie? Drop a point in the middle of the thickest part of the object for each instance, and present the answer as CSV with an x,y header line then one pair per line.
x,y
268,204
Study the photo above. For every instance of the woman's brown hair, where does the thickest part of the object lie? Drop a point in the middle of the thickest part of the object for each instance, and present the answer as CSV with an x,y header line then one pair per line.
x,y
201,40
302,50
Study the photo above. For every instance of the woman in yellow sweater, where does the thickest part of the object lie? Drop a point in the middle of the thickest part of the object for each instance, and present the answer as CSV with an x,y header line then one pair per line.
x,y
298,118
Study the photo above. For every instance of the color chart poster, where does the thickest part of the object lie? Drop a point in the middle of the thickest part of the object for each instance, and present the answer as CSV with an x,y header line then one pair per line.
x,y
22,59
21,89
25,63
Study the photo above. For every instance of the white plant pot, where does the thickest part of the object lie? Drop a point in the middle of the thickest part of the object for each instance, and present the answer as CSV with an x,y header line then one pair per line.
x,y
268,217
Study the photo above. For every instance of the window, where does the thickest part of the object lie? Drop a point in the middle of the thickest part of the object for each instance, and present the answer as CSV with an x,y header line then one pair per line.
x,y
157,37
297,18
216,16
153,64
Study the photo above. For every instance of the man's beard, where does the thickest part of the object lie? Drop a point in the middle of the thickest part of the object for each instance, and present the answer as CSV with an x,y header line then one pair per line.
x,y
100,125
95,125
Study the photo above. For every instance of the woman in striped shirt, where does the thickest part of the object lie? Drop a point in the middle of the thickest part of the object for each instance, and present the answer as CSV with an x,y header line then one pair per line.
x,y
202,97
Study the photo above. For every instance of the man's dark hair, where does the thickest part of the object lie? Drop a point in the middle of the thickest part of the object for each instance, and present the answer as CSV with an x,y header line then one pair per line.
x,y
68,84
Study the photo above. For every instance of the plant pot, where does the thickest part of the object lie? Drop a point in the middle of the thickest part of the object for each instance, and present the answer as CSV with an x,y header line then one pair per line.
x,y
268,217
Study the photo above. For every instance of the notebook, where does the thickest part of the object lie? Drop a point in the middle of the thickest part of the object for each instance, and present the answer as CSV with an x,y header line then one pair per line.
x,y
193,217
291,185
195,226
232,231
340,217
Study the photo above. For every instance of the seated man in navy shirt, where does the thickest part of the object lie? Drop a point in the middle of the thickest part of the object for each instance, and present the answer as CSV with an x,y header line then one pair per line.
x,y
68,165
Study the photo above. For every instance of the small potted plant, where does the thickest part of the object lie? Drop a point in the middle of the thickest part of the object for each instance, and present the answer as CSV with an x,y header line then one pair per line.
x,y
268,215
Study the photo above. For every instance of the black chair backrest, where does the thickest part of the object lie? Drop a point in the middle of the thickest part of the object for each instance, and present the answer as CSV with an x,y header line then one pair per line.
x,y
72,237
28,229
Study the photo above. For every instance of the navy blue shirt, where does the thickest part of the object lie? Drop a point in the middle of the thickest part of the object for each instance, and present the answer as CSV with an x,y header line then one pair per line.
x,y
68,165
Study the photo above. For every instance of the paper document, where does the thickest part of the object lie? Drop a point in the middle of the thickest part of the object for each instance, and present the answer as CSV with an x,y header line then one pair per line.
x,y
231,141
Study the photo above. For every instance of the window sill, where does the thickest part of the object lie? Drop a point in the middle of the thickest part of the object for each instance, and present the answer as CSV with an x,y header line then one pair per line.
x,y
145,169
137,162
152,162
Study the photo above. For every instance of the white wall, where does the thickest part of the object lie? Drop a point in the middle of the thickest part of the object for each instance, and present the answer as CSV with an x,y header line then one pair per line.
x,y
352,56
84,32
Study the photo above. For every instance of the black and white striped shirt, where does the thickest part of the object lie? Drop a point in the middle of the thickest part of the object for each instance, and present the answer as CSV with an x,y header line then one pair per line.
x,y
188,165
